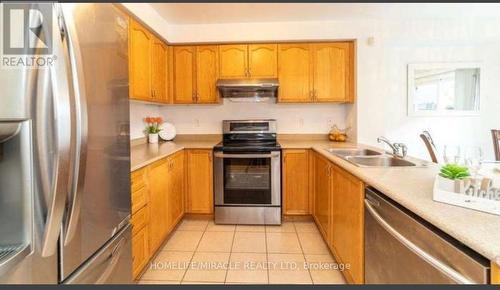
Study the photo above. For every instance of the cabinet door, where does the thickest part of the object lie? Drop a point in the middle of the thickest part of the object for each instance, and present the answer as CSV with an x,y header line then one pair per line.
x,y
176,189
294,73
159,71
263,60
207,73
331,71
140,251
159,181
322,169
296,182
347,239
140,62
200,178
184,77
233,61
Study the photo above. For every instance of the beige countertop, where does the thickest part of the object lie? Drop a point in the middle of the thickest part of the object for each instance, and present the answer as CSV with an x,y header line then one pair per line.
x,y
409,186
143,153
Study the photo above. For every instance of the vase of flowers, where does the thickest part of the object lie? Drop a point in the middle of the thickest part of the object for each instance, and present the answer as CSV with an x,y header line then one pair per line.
x,y
153,128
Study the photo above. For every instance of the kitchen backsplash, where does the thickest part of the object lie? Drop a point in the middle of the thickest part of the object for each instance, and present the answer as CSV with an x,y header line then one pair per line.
x,y
207,119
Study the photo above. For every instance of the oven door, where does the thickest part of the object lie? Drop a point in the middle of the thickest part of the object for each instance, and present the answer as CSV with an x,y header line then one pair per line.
x,y
247,179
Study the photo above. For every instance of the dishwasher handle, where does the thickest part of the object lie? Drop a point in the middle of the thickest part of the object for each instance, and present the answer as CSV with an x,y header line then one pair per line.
x,y
436,263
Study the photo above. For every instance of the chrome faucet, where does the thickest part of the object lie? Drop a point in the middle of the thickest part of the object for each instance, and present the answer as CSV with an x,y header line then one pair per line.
x,y
398,149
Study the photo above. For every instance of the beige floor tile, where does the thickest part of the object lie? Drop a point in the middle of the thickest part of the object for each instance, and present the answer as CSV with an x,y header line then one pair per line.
x,y
158,282
324,270
249,242
312,243
193,225
285,227
183,241
306,227
168,266
207,267
288,269
247,268
201,283
216,242
248,228
283,243
212,227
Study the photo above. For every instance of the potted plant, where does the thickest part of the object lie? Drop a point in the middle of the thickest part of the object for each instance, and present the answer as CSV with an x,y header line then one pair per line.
x,y
451,177
153,128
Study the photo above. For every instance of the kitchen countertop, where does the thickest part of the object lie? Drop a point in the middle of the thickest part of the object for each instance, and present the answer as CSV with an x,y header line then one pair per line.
x,y
409,186
143,153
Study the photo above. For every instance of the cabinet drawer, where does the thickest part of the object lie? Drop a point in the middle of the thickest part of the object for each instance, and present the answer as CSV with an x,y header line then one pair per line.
x,y
137,179
139,199
140,219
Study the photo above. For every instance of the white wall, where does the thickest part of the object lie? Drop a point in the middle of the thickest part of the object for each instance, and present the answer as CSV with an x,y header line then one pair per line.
x,y
381,76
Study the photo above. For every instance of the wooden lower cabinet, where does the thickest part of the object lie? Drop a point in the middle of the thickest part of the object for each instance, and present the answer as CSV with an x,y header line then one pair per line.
x,y
158,182
339,213
199,181
175,205
140,251
347,223
158,193
495,273
322,195
296,181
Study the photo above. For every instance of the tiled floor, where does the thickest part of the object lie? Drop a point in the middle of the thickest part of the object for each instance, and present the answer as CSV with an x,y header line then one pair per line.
x,y
200,252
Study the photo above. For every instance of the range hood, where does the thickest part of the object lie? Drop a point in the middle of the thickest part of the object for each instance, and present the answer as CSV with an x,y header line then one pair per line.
x,y
248,88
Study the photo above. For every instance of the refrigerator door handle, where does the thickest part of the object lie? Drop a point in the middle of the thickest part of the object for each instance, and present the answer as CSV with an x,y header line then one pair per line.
x,y
56,186
72,56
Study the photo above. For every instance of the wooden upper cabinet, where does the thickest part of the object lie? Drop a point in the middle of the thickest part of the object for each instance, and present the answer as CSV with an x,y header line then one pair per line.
x,y
347,226
159,71
296,182
233,61
262,60
199,182
294,72
207,73
331,62
184,75
140,62
322,207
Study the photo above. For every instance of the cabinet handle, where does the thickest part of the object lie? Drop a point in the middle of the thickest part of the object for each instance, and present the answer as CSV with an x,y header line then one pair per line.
x,y
193,96
249,74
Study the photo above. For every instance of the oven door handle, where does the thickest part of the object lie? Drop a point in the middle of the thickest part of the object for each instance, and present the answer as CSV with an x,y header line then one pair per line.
x,y
222,155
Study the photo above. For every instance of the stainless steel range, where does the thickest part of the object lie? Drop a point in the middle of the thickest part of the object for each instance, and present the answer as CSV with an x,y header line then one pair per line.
x,y
247,173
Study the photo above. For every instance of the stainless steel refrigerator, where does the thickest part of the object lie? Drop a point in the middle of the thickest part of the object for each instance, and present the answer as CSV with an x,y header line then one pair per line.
x,y
65,153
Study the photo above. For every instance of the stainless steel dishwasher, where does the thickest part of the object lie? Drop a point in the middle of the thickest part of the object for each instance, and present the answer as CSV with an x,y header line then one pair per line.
x,y
402,248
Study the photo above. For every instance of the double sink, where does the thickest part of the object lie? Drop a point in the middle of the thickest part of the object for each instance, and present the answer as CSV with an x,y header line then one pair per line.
x,y
369,158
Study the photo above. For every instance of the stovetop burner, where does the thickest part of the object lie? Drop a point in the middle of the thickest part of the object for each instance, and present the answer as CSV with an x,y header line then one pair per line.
x,y
249,135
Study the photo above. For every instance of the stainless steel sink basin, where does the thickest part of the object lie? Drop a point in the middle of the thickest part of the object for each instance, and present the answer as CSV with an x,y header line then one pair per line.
x,y
379,161
353,152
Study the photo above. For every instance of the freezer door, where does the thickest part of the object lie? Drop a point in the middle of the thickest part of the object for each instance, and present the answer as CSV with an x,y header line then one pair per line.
x,y
99,199
111,265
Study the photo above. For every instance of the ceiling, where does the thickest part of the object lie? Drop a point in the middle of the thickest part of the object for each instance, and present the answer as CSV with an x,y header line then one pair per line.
x,y
213,13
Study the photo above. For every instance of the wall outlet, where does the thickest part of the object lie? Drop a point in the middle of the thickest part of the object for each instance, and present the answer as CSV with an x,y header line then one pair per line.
x,y
196,123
